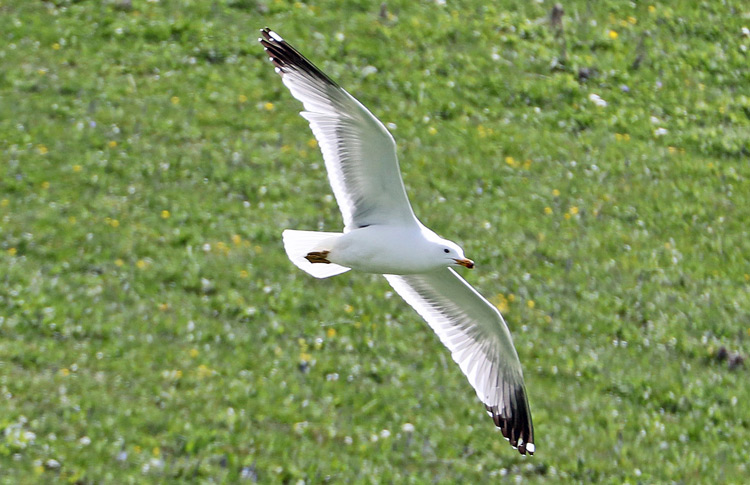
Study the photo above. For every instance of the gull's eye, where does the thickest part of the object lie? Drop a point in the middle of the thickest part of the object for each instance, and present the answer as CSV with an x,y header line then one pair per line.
x,y
446,250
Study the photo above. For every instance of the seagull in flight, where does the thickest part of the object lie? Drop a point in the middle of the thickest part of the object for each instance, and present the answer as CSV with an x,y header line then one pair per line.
x,y
382,235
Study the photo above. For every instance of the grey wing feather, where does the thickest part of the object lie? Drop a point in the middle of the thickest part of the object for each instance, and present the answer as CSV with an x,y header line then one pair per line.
x,y
359,153
480,343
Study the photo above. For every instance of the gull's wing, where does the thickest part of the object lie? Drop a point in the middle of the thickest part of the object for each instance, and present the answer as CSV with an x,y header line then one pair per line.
x,y
479,341
359,153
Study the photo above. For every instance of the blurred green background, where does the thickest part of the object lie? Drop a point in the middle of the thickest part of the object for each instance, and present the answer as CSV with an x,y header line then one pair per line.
x,y
152,329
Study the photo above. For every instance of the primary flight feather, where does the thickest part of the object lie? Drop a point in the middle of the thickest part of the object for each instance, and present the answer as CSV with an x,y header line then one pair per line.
x,y
382,235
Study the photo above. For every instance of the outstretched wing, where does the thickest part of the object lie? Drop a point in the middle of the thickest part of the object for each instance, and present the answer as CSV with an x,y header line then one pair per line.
x,y
359,153
479,341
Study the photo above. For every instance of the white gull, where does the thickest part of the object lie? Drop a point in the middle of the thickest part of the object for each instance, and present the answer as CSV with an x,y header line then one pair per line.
x,y
382,235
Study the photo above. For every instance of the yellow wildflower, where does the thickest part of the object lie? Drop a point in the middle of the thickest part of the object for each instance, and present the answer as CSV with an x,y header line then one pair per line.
x,y
204,371
502,303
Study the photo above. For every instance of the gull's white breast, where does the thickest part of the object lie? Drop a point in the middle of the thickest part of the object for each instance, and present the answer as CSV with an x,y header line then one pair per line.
x,y
387,250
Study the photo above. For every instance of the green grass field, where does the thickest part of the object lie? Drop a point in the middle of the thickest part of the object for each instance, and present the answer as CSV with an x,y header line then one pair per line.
x,y
152,329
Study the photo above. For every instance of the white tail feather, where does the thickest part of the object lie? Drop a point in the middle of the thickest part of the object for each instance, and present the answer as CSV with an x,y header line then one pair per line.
x,y
298,243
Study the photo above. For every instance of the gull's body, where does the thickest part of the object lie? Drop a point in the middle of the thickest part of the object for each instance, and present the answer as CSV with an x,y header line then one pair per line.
x,y
382,235
362,249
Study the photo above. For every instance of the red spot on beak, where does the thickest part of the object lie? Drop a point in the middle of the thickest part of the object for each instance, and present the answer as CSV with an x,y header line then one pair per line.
x,y
466,263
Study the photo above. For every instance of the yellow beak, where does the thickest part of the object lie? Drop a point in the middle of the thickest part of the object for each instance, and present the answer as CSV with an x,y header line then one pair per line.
x,y
466,263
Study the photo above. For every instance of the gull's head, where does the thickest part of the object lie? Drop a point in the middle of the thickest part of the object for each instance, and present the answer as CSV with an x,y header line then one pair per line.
x,y
452,254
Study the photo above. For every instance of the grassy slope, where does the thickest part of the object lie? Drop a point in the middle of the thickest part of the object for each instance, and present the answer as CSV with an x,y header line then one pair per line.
x,y
152,329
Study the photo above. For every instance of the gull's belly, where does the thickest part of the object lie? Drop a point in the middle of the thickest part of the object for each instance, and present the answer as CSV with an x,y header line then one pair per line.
x,y
383,250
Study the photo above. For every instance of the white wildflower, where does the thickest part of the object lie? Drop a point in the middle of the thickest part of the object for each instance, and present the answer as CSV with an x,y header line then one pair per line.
x,y
597,100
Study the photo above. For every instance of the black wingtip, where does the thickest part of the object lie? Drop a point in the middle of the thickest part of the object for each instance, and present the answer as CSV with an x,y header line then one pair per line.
x,y
270,35
286,58
516,426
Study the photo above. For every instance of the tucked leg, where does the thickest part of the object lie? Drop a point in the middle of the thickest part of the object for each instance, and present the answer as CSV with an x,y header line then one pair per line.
x,y
318,257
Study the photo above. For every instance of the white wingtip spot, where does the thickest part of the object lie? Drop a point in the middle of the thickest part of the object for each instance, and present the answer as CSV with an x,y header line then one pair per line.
x,y
530,448
275,36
